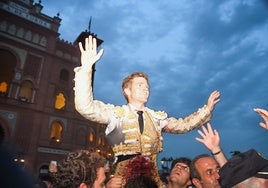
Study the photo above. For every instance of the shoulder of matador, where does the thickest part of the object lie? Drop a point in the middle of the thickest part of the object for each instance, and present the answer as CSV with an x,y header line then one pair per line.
x,y
160,115
119,111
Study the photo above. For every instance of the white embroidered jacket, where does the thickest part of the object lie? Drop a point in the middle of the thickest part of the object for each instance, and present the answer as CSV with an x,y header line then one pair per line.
x,y
125,119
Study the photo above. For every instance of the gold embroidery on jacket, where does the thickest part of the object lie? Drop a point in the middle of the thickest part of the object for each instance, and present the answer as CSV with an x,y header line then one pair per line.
x,y
150,142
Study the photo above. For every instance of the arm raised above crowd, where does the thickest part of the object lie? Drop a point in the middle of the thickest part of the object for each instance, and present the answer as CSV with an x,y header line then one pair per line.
x,y
211,139
89,108
89,54
203,115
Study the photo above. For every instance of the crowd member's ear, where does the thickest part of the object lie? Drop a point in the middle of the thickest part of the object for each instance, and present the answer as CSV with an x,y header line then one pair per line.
x,y
83,185
197,182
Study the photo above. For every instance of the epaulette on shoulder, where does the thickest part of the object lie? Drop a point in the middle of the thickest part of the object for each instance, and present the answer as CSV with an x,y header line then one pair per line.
x,y
119,111
158,114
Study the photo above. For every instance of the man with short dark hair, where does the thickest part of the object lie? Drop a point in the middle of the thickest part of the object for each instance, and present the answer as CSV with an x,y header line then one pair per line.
x,y
180,173
205,172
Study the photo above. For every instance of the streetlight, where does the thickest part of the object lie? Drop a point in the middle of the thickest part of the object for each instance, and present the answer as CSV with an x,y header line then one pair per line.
x,y
20,161
166,164
164,173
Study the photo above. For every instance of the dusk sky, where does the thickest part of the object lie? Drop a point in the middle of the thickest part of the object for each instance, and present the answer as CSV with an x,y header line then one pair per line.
x,y
188,49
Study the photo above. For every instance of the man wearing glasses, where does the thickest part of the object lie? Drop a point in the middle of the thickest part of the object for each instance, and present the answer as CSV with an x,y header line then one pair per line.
x,y
180,173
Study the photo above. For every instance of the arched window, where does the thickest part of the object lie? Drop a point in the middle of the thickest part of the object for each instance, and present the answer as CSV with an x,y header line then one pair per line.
x,y
81,137
28,35
101,141
7,66
64,75
43,41
4,131
60,101
36,38
20,32
12,29
3,87
56,131
91,136
2,135
3,25
26,91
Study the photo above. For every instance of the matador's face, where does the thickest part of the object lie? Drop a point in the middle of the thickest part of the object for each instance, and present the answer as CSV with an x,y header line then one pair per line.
x,y
138,90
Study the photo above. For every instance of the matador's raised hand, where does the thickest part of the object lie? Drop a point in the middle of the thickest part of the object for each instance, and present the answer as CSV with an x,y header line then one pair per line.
x,y
89,55
213,99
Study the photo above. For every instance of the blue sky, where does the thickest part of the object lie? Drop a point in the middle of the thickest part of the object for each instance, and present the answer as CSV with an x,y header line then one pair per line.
x,y
188,49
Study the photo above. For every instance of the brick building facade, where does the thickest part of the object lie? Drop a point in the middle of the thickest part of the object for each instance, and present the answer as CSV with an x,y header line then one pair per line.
x,y
37,115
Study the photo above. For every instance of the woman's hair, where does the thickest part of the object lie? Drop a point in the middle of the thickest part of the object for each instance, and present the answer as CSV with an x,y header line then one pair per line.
x,y
78,167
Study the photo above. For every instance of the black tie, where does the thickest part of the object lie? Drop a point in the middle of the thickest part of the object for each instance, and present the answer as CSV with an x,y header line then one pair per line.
x,y
140,119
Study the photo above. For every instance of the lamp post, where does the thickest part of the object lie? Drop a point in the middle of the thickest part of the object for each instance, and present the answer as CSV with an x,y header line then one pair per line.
x,y
165,171
166,164
234,153
20,161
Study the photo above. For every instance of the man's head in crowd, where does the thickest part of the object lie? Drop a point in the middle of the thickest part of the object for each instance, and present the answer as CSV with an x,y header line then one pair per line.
x,y
80,169
180,173
204,171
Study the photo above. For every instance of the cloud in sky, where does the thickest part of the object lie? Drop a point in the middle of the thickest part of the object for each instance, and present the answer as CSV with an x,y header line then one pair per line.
x,y
188,49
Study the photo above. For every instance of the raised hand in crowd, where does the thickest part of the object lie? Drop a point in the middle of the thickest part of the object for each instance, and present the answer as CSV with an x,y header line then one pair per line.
x,y
211,139
264,114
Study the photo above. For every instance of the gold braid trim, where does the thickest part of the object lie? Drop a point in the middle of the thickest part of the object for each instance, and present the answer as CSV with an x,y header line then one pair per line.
x,y
119,111
151,139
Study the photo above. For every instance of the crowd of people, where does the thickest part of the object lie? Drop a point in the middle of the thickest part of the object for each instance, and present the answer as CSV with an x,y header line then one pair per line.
x,y
84,169
135,130
135,133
